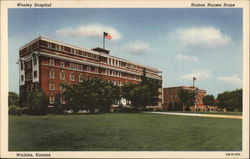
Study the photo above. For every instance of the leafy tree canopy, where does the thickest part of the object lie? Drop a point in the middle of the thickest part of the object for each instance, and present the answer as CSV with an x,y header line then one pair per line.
x,y
13,99
231,100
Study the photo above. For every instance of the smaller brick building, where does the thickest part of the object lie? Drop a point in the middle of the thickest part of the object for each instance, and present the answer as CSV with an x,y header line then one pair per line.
x,y
170,97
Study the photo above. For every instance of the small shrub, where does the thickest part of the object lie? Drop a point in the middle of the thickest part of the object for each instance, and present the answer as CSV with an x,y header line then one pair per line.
x,y
15,110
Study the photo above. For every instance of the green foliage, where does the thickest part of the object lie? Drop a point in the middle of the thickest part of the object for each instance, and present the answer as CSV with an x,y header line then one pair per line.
x,y
208,100
13,98
37,103
142,94
15,110
186,98
58,107
92,94
231,100
23,96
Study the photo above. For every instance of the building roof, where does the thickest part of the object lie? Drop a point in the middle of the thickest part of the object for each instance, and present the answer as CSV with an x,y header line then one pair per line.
x,y
185,87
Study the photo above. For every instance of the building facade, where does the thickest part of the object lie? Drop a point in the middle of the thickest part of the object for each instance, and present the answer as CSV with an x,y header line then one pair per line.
x,y
170,97
47,64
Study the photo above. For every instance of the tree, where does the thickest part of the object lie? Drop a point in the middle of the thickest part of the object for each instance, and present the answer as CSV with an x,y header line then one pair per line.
x,y
231,100
91,94
208,100
23,96
110,94
58,107
143,94
73,97
37,102
151,89
186,98
13,99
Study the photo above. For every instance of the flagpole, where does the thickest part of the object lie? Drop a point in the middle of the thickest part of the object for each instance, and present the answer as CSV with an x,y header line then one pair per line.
x,y
103,41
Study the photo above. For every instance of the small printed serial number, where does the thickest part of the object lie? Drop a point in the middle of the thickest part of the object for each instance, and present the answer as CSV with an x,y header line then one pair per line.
x,y
232,154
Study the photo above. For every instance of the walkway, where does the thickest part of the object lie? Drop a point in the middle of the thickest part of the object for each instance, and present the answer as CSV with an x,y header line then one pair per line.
x,y
200,115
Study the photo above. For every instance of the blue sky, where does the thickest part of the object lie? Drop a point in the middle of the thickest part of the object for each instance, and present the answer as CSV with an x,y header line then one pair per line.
x,y
182,42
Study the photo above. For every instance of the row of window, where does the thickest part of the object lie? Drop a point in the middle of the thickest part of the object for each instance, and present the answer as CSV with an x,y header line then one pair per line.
x,y
52,99
29,48
74,66
52,86
79,67
58,47
69,50
52,75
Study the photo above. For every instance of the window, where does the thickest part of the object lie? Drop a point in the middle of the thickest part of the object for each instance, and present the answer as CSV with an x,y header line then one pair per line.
x,y
28,65
34,60
62,64
29,76
88,68
67,49
96,70
72,76
52,99
22,79
80,67
51,74
62,75
52,86
21,65
49,45
53,46
80,78
73,66
62,88
52,62
35,74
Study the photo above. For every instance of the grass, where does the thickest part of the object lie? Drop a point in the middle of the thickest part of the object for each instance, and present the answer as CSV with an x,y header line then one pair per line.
x,y
123,132
207,112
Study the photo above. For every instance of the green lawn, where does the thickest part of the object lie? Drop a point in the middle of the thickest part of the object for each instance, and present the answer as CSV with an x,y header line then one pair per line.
x,y
123,132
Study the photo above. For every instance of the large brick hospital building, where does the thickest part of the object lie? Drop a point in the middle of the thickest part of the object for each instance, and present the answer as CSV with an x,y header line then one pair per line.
x,y
48,64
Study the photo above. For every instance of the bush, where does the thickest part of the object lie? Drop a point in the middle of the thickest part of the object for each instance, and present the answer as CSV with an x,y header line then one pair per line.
x,y
58,107
13,98
15,110
37,103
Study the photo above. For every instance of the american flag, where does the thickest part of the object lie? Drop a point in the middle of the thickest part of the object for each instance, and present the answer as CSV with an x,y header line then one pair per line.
x,y
107,35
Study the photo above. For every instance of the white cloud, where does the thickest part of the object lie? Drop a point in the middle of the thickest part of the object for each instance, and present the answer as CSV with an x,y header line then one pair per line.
x,y
204,37
198,74
187,58
137,48
90,31
234,79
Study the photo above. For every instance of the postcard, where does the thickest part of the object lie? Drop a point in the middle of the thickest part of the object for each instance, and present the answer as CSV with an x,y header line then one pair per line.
x,y
124,79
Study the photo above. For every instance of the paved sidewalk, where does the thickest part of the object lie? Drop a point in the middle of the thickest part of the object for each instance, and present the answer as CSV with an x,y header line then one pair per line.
x,y
200,115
